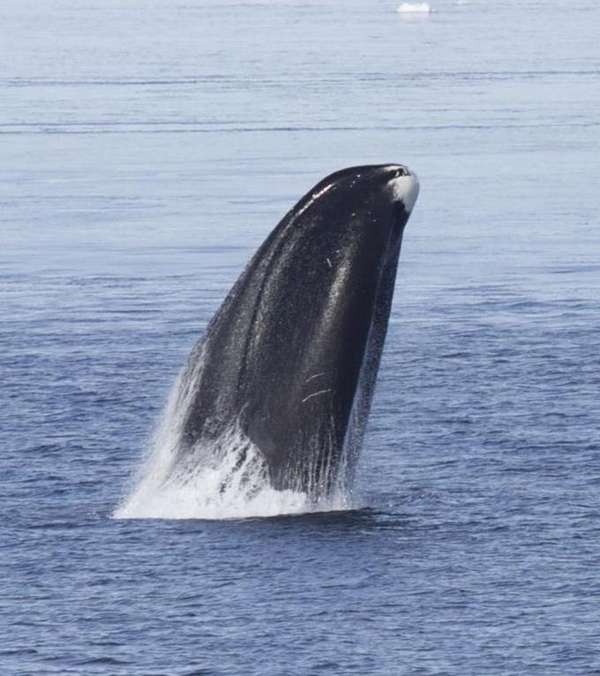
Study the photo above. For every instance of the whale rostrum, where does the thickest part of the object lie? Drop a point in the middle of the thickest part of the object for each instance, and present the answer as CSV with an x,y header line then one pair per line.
x,y
290,359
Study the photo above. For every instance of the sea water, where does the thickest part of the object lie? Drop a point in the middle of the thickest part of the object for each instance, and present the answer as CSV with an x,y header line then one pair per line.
x,y
146,150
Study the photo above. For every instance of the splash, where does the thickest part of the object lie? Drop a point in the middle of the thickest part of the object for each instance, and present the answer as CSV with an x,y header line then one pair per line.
x,y
224,479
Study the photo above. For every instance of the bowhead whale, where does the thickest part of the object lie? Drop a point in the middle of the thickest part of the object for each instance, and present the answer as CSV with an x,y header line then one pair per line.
x,y
291,357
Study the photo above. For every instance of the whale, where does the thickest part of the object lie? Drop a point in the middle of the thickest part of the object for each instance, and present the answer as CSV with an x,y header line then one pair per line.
x,y
290,359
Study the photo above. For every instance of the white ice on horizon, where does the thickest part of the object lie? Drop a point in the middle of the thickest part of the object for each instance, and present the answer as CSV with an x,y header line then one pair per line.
x,y
414,8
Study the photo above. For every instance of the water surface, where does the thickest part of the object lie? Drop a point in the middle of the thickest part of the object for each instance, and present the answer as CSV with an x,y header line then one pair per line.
x,y
146,150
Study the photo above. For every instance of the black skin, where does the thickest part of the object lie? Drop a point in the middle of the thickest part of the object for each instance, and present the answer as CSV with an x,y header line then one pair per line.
x,y
284,353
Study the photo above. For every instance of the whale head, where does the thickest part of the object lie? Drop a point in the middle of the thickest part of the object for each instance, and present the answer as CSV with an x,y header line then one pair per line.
x,y
291,357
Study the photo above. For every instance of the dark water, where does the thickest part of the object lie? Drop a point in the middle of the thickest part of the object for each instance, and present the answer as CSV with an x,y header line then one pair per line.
x,y
145,151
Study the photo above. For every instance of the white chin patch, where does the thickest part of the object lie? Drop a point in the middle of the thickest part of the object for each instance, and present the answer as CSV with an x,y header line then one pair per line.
x,y
405,189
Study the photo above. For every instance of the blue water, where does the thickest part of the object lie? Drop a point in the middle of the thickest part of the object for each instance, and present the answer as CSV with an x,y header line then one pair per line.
x,y
146,149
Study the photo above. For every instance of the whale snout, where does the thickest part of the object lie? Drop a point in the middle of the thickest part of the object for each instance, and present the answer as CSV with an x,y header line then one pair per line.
x,y
404,188
399,170
296,379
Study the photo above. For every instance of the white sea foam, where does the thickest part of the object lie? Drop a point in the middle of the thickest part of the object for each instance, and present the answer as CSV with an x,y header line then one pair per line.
x,y
414,8
224,480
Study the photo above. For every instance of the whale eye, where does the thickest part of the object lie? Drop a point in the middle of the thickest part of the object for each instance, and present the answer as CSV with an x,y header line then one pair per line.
x,y
401,171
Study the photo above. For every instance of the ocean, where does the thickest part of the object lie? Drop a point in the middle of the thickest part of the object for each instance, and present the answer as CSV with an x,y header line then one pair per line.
x,y
146,150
